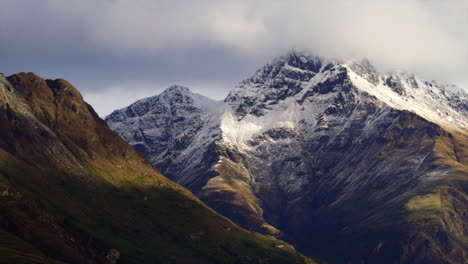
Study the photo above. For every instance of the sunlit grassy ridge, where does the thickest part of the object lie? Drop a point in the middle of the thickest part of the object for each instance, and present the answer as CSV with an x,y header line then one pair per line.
x,y
85,196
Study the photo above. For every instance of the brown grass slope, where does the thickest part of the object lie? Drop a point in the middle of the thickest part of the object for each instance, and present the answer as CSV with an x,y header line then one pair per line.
x,y
73,191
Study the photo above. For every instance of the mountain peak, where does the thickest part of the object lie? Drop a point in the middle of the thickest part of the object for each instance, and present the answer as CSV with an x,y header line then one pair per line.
x,y
287,76
297,77
175,88
300,60
181,95
308,139
34,87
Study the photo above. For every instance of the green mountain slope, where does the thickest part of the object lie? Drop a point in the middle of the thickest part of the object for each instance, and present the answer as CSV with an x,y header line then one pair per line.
x,y
73,191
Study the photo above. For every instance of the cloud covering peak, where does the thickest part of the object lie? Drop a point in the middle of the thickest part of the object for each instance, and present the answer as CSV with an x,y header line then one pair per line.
x,y
428,37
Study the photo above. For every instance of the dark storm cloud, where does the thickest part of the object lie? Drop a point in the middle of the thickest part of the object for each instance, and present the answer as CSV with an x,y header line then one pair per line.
x,y
116,51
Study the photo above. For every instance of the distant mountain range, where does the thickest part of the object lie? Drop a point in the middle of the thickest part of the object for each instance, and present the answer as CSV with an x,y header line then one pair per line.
x,y
72,191
344,162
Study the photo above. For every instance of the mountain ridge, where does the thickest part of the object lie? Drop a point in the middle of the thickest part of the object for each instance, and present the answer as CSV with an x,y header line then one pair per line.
x,y
309,145
72,190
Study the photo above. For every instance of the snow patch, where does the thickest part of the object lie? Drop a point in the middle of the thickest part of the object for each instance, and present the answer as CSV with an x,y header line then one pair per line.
x,y
427,100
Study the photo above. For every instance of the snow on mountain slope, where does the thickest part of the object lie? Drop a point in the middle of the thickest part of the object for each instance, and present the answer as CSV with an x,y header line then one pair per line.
x,y
309,146
261,103
442,104
154,123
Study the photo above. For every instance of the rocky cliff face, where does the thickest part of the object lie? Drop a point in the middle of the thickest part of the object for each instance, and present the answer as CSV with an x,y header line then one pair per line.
x,y
72,190
373,165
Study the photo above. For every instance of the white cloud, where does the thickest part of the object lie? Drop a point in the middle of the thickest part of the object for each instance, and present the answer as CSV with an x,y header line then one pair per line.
x,y
233,27
429,37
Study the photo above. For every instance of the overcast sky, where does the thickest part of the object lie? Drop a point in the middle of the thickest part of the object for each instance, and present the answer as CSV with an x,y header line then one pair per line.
x,y
118,51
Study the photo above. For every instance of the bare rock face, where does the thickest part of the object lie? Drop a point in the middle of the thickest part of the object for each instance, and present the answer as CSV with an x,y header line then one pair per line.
x,y
373,165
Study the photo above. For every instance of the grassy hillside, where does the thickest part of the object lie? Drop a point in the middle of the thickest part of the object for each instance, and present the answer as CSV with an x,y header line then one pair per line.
x,y
73,191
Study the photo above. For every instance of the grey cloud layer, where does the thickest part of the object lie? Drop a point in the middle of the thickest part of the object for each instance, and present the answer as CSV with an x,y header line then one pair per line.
x,y
219,41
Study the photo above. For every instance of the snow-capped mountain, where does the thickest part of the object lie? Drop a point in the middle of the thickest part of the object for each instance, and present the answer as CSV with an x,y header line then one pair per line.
x,y
322,152
152,124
